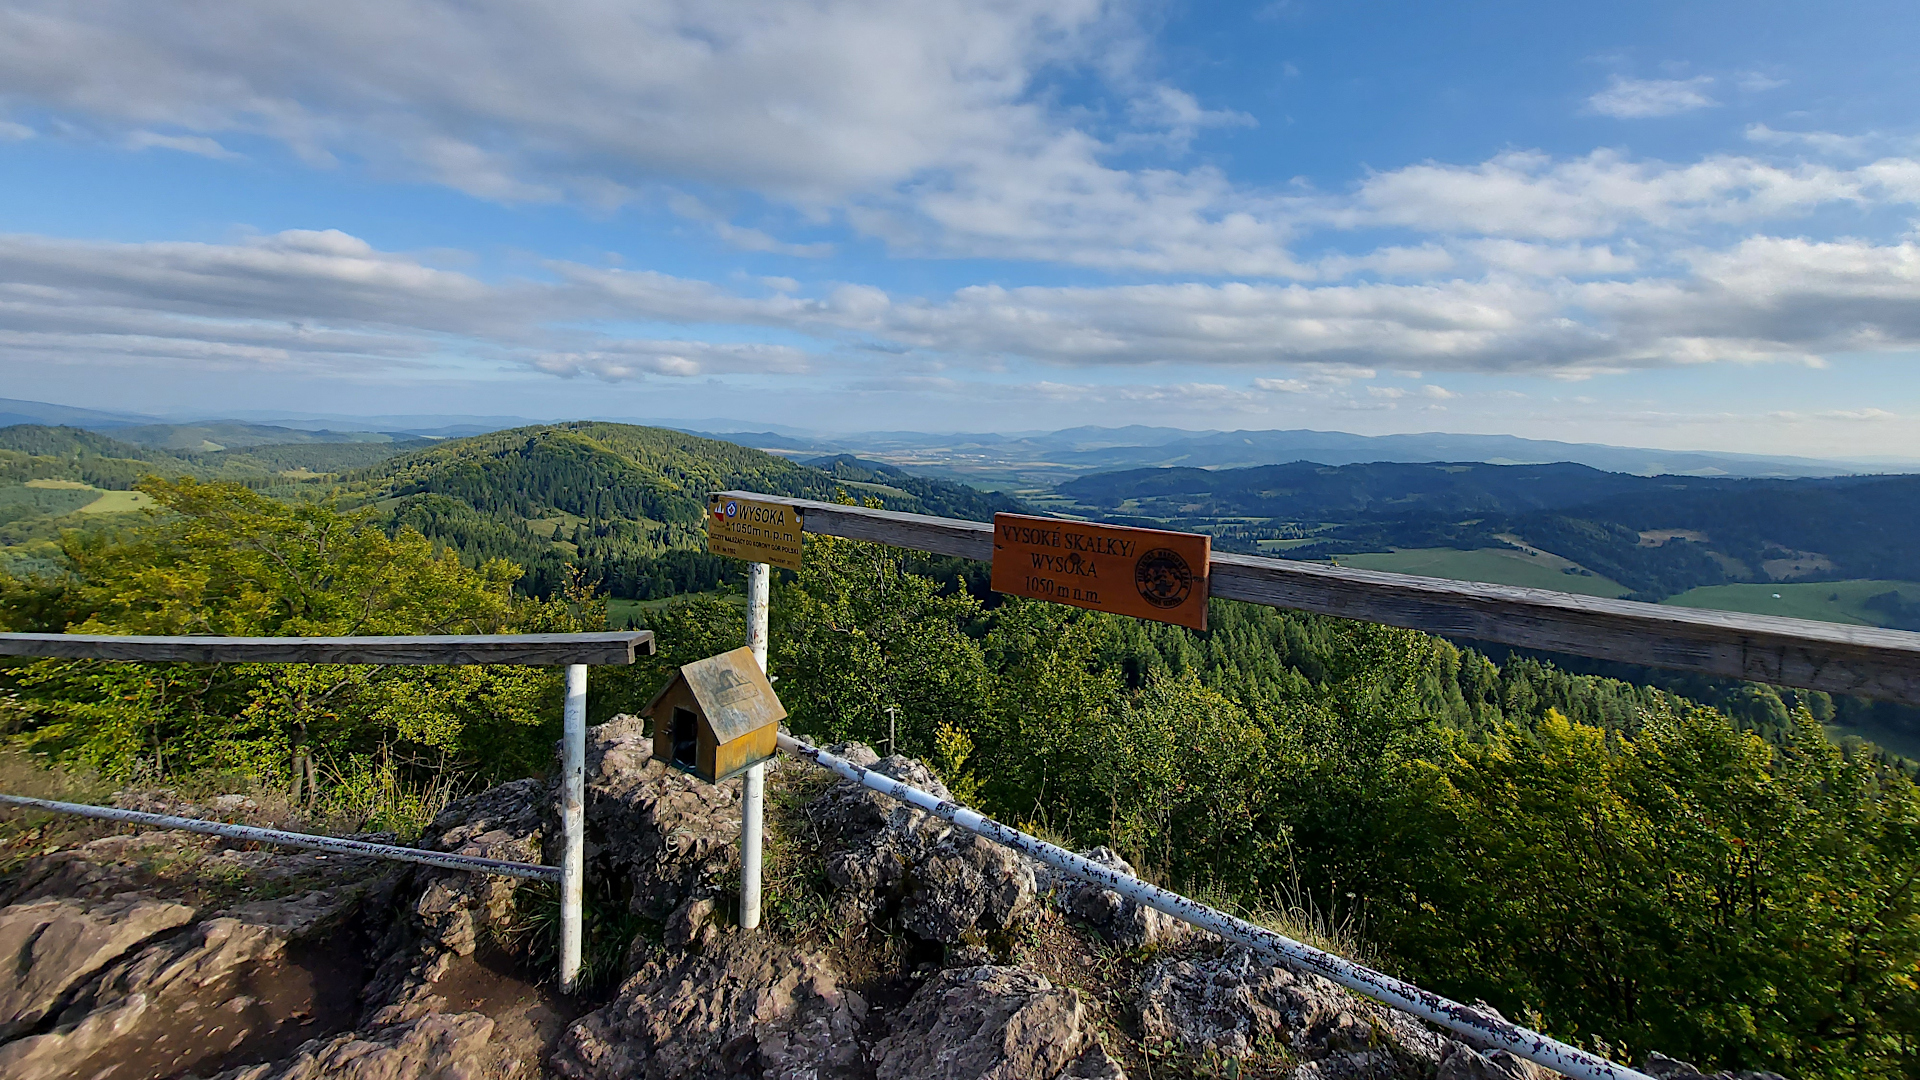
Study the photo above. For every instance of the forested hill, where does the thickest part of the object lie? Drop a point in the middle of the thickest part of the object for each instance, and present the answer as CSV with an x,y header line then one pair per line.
x,y
623,504
41,452
1657,535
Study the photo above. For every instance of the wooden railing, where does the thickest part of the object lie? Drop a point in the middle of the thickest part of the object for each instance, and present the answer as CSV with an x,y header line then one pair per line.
x,y
1859,660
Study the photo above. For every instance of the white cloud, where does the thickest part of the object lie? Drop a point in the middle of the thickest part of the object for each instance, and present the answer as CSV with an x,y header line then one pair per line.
x,y
1632,99
186,144
1821,142
12,132
624,360
326,300
931,125
1534,196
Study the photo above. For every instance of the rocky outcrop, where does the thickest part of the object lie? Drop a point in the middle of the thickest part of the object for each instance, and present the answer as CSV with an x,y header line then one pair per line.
x,y
890,862
451,910
180,1000
749,1007
974,977
1663,1067
438,1046
992,1023
1232,1005
53,946
665,832
1114,917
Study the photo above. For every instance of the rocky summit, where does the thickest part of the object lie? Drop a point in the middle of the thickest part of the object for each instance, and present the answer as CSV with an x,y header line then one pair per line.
x,y
895,948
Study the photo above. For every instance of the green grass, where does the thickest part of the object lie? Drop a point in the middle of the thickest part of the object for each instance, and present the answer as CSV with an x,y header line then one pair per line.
x,y
1493,565
1825,601
619,611
1893,740
118,502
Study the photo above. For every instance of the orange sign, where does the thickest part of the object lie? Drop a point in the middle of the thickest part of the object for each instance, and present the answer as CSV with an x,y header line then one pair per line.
x,y
1145,573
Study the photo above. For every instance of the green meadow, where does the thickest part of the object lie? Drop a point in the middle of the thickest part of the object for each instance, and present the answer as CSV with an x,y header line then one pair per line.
x,y
1827,601
1498,566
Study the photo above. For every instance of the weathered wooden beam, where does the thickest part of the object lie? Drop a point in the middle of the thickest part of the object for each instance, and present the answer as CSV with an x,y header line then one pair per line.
x,y
618,647
1860,660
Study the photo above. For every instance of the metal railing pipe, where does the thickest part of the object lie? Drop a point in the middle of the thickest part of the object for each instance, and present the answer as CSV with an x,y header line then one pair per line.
x,y
1486,1028
753,787
331,844
573,825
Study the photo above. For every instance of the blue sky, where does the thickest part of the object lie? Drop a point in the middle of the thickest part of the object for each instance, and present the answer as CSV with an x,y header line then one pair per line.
x,y
1687,225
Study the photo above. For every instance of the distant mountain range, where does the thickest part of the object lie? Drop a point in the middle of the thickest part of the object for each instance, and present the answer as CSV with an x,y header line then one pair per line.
x,y
1029,459
1658,536
1058,456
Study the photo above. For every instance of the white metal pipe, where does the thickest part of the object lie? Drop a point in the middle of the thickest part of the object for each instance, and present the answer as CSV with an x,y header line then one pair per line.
x,y
1483,1027
331,844
573,825
753,788
759,596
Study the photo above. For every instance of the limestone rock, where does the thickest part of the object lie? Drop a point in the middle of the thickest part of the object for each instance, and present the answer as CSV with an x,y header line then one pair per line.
x,y
1112,916
451,909
965,884
664,830
1462,1062
747,1007
1665,1068
50,947
987,1023
438,1046
889,860
1232,1004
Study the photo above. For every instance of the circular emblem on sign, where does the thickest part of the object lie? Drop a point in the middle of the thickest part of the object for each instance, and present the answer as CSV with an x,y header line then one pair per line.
x,y
733,509
1163,577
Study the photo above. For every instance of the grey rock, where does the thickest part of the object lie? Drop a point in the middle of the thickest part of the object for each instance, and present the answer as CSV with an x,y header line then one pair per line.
x,y
888,860
1365,1065
987,1023
1665,1068
1232,1004
690,925
747,1007
1462,1062
1095,1064
1236,1006
1112,916
667,832
438,1046
451,909
966,884
50,947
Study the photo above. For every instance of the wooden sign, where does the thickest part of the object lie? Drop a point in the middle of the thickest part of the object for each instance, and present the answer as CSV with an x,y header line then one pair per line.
x,y
754,531
1145,573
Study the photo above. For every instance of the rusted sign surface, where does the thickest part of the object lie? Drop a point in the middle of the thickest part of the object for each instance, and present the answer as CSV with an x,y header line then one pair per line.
x,y
754,531
1145,573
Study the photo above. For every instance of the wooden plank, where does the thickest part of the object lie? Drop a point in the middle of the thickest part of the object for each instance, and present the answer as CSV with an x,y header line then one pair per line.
x,y
1141,573
618,647
1839,659
941,536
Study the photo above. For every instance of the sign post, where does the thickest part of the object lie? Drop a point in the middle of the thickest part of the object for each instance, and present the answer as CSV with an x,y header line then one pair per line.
x,y
1145,573
765,534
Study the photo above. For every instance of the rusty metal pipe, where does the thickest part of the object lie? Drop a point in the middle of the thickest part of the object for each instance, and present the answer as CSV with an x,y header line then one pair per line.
x,y
331,844
1485,1028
